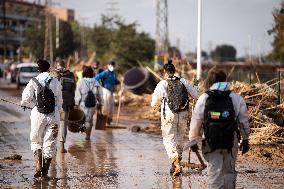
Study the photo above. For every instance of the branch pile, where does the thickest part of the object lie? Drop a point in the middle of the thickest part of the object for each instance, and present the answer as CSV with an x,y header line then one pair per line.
x,y
266,115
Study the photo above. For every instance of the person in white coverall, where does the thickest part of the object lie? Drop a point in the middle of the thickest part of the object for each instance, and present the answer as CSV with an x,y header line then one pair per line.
x,y
44,127
221,162
88,83
173,125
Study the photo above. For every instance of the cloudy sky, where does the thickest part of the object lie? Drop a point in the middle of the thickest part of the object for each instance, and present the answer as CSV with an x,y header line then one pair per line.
x,y
224,21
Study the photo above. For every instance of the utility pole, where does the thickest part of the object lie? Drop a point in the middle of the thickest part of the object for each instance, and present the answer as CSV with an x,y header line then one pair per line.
x,y
83,52
162,30
5,27
57,33
48,49
199,17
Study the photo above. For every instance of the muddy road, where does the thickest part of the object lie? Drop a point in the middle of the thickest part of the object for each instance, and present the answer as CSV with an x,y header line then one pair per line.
x,y
115,158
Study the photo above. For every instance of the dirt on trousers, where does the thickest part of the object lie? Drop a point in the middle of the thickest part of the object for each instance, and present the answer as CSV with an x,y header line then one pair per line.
x,y
119,158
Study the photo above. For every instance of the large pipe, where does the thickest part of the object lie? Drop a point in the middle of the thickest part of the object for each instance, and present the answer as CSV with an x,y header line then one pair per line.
x,y
199,68
139,81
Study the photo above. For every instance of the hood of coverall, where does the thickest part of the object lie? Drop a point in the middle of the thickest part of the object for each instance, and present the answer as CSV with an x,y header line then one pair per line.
x,y
221,86
43,78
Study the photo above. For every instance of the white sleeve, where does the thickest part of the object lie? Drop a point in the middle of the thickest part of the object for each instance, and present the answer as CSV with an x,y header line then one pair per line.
x,y
28,94
243,119
192,90
59,100
158,94
78,94
197,118
101,95
98,87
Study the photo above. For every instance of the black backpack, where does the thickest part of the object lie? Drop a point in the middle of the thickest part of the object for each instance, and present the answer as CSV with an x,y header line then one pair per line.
x,y
219,124
178,99
90,100
67,80
45,100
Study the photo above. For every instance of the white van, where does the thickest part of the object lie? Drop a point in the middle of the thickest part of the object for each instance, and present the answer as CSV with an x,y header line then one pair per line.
x,y
26,71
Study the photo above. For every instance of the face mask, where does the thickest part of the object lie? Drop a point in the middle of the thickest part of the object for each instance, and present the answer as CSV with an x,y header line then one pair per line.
x,y
110,68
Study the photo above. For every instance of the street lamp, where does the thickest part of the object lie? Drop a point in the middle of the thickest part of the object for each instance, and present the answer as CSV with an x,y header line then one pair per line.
x,y
199,15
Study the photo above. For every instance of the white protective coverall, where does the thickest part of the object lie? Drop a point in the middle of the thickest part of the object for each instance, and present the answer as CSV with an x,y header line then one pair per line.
x,y
108,107
44,127
221,164
81,92
173,125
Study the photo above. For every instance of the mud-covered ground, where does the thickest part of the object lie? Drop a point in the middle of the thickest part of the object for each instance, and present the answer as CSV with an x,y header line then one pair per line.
x,y
116,158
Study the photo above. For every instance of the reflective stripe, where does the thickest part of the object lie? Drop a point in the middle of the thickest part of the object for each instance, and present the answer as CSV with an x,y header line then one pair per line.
x,y
219,85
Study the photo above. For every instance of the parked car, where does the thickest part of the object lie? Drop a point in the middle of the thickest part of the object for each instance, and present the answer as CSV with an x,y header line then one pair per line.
x,y
2,69
13,75
25,72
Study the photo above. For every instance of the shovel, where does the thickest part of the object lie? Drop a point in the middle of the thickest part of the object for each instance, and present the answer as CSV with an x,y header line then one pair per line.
x,y
101,121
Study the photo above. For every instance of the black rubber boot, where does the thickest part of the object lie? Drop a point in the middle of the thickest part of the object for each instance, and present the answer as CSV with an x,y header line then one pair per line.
x,y
38,163
45,167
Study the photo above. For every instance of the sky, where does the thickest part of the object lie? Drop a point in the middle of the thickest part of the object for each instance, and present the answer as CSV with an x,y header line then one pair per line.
x,y
241,23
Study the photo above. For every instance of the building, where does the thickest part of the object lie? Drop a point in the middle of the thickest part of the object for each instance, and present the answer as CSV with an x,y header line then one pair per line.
x,y
20,15
64,14
16,18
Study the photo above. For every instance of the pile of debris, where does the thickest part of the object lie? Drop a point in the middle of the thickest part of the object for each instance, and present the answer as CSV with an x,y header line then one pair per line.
x,y
141,104
266,114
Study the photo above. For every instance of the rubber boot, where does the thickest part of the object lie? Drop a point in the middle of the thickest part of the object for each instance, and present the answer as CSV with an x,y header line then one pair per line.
x,y
45,167
109,120
172,170
88,131
177,167
88,134
61,148
38,163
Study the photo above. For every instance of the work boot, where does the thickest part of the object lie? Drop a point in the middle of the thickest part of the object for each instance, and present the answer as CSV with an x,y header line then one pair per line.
x,y
38,163
109,120
177,171
88,134
61,148
172,170
45,167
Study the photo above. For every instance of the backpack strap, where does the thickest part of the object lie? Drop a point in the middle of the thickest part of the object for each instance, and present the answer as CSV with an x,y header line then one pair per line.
x,y
48,82
36,81
216,92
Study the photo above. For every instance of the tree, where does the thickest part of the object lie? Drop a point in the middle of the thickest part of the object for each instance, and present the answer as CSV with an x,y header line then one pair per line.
x,y
114,39
35,40
67,44
174,51
224,53
278,32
